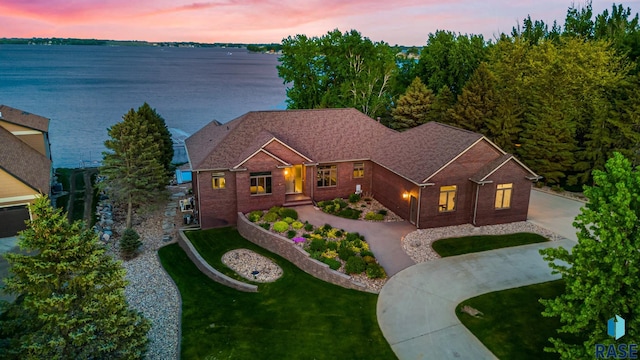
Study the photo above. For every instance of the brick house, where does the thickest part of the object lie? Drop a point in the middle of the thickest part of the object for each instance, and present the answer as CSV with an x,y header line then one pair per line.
x,y
432,175
25,166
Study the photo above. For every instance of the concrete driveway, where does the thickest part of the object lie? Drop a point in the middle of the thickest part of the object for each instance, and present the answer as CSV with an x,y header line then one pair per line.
x,y
416,308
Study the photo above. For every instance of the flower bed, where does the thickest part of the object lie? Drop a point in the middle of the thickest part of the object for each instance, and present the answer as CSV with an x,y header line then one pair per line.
x,y
358,208
344,252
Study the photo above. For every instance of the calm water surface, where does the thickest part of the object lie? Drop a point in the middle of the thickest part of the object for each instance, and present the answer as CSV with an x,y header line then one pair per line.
x,y
86,89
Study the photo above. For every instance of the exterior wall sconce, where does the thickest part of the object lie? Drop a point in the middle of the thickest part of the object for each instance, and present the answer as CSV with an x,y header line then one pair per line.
x,y
405,195
286,172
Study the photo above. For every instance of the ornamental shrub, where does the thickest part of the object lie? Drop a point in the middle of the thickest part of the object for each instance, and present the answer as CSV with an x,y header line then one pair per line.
x,y
129,244
382,212
288,220
327,227
369,259
375,271
345,252
308,227
275,209
297,225
254,216
355,265
265,225
354,198
332,245
291,234
318,245
373,216
288,212
280,226
349,213
352,236
343,204
365,253
333,263
270,217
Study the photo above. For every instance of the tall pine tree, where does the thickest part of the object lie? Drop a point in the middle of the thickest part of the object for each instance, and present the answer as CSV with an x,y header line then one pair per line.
x,y
70,296
132,166
442,102
477,103
158,128
412,108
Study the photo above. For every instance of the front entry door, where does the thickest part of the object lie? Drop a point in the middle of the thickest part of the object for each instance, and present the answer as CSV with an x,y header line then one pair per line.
x,y
293,179
413,205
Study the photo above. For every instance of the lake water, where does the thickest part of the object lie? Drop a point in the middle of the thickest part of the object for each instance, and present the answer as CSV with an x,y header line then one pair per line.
x,y
86,89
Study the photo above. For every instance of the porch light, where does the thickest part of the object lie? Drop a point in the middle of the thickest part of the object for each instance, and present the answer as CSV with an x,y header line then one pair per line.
x,y
286,171
405,195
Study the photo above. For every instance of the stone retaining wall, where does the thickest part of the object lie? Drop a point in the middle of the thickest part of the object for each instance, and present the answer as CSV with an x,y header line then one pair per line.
x,y
212,273
300,258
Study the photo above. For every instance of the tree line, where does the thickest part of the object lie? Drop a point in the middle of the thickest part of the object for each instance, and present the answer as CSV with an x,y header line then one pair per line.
x,y
563,99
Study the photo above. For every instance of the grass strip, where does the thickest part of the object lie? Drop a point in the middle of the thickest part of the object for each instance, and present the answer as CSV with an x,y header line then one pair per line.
x,y
472,244
295,317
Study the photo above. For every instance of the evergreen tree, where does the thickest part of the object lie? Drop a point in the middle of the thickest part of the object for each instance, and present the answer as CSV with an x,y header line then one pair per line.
x,y
71,302
601,273
133,171
505,127
477,103
158,129
441,105
129,243
413,107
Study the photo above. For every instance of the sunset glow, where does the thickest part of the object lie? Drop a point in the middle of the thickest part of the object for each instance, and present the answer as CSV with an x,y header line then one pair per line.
x,y
405,22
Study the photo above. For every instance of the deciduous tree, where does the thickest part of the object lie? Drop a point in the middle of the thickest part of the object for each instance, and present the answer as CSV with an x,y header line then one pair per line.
x,y
71,302
601,273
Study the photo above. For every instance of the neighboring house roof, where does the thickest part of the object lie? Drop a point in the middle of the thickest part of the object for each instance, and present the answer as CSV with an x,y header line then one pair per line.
x,y
331,135
24,118
24,162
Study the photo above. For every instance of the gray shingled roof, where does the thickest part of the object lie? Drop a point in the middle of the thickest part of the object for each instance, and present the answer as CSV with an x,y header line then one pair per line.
x,y
327,135
24,118
24,162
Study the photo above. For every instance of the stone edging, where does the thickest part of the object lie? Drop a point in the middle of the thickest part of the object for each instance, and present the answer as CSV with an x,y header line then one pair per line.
x,y
300,258
175,286
206,269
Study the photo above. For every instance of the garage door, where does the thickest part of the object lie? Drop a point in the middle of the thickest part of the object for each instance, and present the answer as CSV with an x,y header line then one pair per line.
x,y
12,220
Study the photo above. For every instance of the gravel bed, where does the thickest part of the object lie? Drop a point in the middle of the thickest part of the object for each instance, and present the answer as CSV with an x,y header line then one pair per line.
x,y
245,262
417,244
151,290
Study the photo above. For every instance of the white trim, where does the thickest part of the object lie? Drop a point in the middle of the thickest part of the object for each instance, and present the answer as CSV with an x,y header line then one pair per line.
x,y
496,168
256,153
494,145
455,158
18,198
287,146
26,132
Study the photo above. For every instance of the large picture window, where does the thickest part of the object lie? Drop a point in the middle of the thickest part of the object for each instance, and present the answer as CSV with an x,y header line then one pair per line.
x,y
217,180
327,175
447,198
358,170
260,183
503,196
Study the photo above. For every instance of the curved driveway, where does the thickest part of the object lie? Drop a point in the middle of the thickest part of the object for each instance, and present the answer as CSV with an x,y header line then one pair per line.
x,y
416,308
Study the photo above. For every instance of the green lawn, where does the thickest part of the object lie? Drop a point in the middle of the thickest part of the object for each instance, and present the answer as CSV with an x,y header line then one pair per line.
x,y
512,326
296,317
471,244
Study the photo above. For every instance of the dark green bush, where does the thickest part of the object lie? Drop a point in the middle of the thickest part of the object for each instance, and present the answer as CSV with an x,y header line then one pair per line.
x,y
275,209
333,263
327,227
343,204
339,233
357,243
308,227
345,252
321,204
354,198
352,236
270,217
349,213
288,212
129,244
291,234
375,271
332,245
364,253
382,212
355,265
254,216
317,255
265,225
318,245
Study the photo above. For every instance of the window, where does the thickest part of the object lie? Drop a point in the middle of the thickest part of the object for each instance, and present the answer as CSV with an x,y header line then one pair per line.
x,y
260,183
447,198
503,196
327,175
217,180
358,170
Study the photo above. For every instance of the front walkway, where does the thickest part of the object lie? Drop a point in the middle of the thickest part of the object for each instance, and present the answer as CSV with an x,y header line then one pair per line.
x,y
416,308
383,237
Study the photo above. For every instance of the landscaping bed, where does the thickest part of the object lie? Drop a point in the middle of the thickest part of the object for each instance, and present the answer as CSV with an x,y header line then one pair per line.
x,y
343,251
358,208
471,244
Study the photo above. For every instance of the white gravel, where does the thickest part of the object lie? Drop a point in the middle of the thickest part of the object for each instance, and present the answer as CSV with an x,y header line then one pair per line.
x,y
245,262
417,244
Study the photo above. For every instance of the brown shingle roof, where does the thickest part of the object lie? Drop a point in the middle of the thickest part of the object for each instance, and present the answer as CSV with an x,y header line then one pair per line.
x,y
495,164
24,118
24,162
327,135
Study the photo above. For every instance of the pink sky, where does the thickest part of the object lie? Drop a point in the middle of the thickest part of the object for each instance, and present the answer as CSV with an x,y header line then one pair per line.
x,y
404,22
